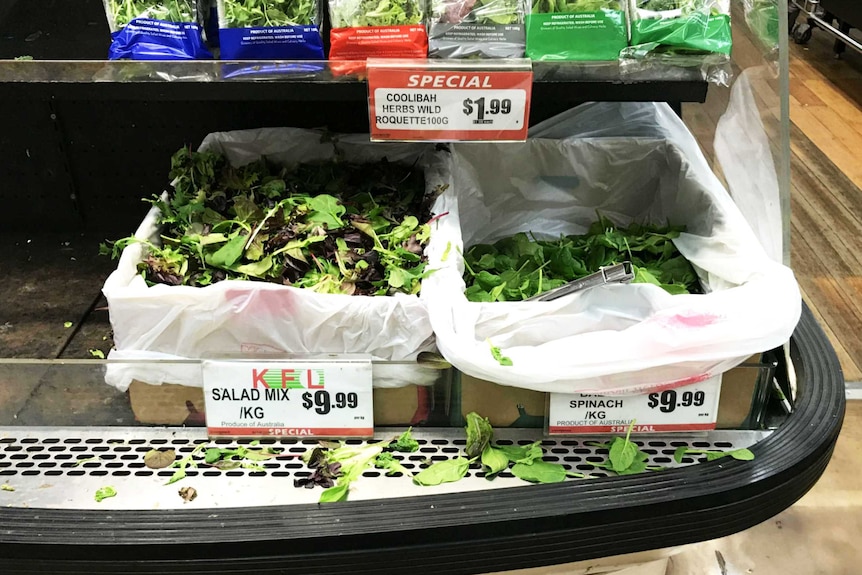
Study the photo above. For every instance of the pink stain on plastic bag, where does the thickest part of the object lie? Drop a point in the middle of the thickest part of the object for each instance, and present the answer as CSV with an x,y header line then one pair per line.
x,y
689,321
261,303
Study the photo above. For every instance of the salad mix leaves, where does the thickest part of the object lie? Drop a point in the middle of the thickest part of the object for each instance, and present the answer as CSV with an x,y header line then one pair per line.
x,y
124,11
331,227
484,12
268,13
562,6
357,13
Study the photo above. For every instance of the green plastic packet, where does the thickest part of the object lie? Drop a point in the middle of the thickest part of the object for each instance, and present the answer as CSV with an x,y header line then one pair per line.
x,y
681,25
576,30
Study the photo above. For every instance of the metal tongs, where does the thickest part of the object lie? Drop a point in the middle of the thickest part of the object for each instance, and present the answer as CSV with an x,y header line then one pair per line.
x,y
616,274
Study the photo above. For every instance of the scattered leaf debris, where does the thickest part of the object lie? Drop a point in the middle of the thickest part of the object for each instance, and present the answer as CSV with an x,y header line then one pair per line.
x,y
158,459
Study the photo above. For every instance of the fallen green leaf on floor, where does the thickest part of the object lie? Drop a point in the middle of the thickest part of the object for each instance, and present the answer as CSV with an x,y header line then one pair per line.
x,y
740,454
495,460
624,457
157,459
104,493
405,442
443,472
188,493
68,324
540,472
87,460
479,435
392,465
181,465
97,353
6,487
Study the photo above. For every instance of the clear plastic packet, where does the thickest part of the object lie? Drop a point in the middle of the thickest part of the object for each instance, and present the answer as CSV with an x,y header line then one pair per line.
x,y
270,30
476,29
155,30
576,29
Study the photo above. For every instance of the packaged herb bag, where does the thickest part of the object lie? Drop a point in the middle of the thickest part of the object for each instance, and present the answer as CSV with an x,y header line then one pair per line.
x,y
576,30
476,29
377,28
155,30
270,29
681,26
762,19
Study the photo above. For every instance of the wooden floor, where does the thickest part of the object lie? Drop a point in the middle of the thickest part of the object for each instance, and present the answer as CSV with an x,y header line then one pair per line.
x,y
826,177
826,200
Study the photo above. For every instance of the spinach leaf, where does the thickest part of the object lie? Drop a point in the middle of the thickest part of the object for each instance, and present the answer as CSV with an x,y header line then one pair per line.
x,y
443,472
495,460
519,267
741,454
540,472
622,453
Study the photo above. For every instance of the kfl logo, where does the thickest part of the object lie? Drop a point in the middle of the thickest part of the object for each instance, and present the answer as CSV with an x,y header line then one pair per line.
x,y
288,378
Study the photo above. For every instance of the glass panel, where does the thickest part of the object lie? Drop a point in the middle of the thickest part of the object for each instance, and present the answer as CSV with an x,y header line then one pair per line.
x,y
80,161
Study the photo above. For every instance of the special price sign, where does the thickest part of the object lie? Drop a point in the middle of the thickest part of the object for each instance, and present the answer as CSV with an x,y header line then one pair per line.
x,y
246,398
690,408
410,103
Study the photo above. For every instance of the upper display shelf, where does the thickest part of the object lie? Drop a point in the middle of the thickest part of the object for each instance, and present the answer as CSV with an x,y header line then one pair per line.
x,y
312,80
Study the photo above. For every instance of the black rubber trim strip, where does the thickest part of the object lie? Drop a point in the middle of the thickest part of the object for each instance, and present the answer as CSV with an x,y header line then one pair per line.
x,y
458,533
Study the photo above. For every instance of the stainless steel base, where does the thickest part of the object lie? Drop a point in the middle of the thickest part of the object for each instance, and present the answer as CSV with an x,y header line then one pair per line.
x,y
61,468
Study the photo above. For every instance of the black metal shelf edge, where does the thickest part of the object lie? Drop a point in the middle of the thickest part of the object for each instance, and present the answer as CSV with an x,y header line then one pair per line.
x,y
459,533
312,81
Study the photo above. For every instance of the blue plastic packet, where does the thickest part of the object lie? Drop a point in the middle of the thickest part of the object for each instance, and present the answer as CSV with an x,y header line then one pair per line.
x,y
270,30
155,30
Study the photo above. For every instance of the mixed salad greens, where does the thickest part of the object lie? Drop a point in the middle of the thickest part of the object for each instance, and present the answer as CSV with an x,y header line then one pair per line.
x,y
357,13
124,11
268,13
484,12
686,7
331,227
562,6
519,267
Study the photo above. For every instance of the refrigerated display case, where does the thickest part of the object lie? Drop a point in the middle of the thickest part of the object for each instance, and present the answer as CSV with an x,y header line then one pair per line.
x,y
85,139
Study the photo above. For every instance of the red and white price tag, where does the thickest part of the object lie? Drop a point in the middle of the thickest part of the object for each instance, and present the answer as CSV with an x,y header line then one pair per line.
x,y
418,101
290,398
689,408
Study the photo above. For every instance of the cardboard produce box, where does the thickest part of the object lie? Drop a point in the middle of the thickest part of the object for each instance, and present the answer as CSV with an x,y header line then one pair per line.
x,y
503,405
743,389
170,404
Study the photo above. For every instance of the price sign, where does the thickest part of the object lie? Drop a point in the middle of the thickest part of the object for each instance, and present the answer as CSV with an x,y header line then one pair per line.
x,y
690,408
418,100
301,398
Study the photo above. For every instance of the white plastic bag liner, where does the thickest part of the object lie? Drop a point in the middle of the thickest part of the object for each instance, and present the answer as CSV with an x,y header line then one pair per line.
x,y
629,162
743,152
169,323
